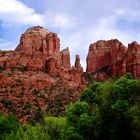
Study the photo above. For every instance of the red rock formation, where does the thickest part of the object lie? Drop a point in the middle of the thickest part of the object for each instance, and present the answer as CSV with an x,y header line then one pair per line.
x,y
38,50
107,56
133,59
65,57
78,66
40,39
37,73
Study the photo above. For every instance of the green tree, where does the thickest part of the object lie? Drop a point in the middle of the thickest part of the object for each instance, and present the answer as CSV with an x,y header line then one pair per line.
x,y
75,110
55,127
115,111
7,125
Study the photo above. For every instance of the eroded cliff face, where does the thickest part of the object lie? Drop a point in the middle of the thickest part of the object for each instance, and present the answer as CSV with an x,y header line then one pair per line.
x,y
133,59
78,66
38,50
65,57
37,75
112,58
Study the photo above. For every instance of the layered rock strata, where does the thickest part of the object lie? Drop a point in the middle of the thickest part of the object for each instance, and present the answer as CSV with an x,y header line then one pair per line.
x,y
113,58
37,75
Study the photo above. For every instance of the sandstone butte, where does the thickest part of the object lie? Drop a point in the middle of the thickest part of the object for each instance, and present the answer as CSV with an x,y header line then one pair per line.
x,y
112,58
38,76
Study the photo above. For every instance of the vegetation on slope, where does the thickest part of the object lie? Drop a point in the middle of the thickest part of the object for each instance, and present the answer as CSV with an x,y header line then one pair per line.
x,y
105,111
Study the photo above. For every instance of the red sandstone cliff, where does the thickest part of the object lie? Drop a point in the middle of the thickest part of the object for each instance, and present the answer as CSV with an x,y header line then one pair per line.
x,y
39,50
113,58
65,57
78,66
38,76
133,59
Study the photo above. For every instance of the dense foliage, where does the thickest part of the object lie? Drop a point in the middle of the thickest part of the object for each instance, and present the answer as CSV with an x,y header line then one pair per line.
x,y
52,129
106,111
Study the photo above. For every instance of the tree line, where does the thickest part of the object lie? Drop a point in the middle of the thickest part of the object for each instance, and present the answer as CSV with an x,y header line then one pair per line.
x,y
106,111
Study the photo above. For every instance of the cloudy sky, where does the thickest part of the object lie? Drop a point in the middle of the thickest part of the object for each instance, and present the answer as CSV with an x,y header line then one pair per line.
x,y
78,23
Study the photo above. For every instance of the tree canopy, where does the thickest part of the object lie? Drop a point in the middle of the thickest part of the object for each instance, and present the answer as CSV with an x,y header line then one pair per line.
x,y
106,111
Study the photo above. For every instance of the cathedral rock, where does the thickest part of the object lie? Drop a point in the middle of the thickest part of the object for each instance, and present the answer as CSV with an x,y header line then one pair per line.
x,y
38,75
39,50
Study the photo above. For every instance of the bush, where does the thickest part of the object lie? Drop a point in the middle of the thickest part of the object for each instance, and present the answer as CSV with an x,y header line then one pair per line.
x,y
7,125
19,68
106,111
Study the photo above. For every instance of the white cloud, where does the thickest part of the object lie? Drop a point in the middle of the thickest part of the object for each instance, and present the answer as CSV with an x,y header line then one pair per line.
x,y
60,20
16,12
104,28
107,27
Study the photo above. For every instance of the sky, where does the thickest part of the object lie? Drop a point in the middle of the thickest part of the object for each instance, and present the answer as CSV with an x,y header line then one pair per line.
x,y
78,23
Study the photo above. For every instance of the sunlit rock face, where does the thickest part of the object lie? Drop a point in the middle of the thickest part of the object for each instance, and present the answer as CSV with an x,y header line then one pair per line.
x,y
39,74
40,39
107,55
38,50
43,47
65,57
113,58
